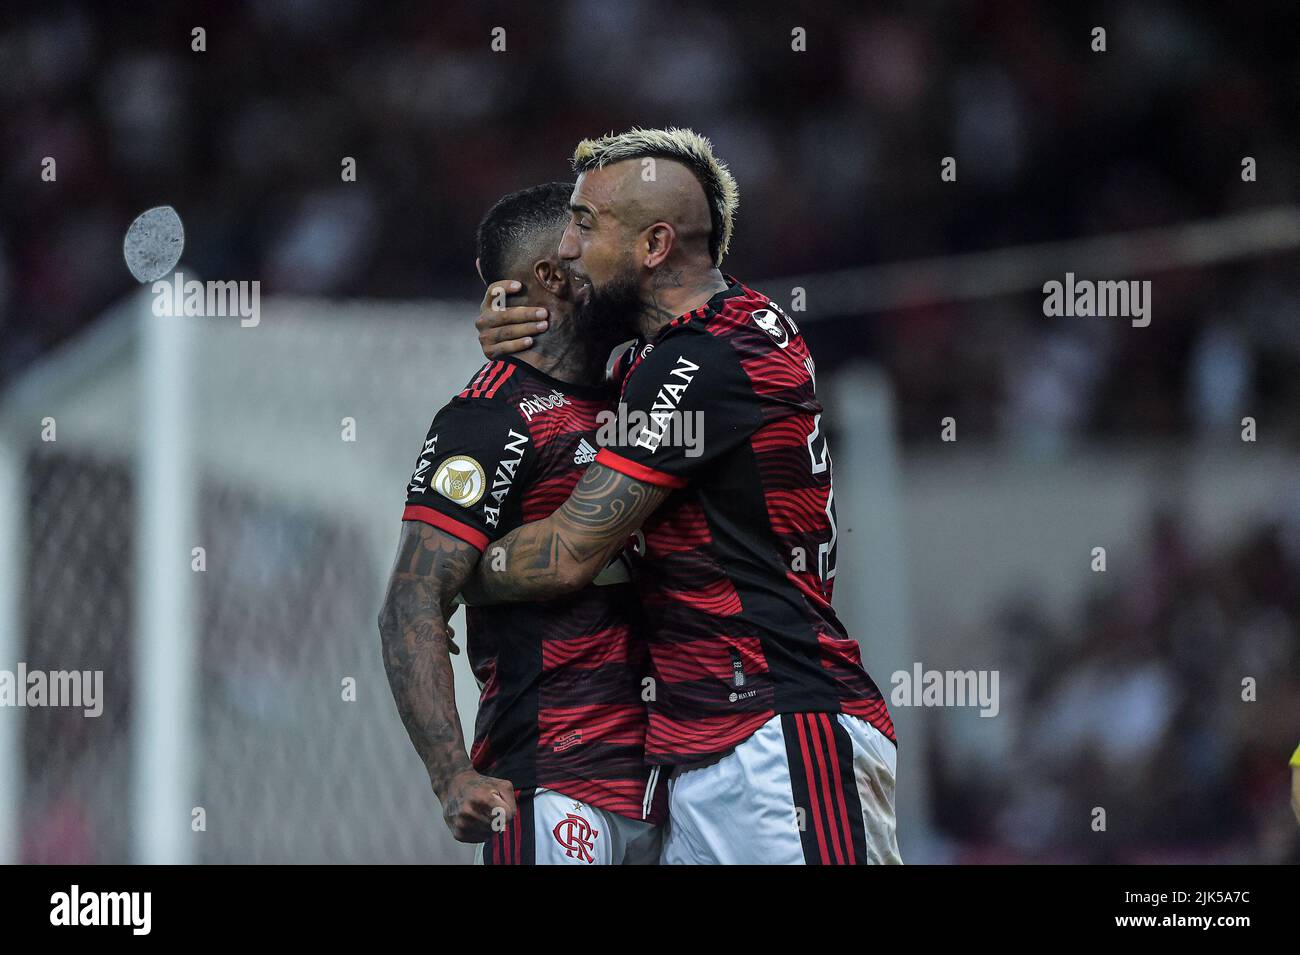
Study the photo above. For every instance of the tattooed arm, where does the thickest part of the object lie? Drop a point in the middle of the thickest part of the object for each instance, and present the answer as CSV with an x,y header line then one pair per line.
x,y
431,567
564,552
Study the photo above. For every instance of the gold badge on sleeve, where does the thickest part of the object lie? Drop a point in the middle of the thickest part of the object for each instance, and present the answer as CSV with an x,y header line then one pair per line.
x,y
460,479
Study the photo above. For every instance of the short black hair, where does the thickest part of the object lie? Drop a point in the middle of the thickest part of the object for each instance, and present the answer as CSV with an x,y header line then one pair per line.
x,y
515,220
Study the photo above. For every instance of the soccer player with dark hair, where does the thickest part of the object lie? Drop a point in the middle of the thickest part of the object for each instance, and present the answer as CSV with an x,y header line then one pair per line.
x,y
781,746
557,772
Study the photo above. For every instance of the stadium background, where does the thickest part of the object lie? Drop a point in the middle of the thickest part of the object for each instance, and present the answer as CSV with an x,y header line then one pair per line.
x,y
1120,690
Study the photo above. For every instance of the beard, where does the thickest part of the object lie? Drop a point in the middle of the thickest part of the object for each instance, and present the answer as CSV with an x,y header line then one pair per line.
x,y
608,316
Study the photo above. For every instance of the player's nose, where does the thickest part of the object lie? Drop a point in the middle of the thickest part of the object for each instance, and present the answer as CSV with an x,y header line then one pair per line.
x,y
569,248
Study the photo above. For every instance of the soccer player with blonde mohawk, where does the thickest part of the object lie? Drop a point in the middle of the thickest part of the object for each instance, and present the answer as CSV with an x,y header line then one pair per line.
x,y
780,745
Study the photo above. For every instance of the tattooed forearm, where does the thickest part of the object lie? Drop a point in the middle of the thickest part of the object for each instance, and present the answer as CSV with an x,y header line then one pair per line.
x,y
564,552
431,567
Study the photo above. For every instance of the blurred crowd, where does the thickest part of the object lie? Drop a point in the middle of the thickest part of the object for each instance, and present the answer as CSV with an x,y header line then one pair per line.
x,y
1168,701
837,151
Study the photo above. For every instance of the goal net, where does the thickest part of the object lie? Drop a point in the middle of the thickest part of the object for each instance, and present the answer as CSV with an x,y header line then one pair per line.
x,y
206,513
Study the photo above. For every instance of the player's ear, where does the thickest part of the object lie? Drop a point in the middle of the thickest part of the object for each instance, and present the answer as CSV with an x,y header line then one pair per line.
x,y
551,276
659,241
478,267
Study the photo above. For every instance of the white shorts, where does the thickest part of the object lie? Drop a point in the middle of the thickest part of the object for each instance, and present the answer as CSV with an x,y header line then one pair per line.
x,y
551,828
805,789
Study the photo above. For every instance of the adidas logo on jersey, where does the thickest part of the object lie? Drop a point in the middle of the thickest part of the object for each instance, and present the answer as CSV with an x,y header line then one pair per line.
x,y
585,453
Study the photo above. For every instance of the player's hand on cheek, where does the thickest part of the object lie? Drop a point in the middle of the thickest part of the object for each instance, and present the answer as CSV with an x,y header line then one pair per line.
x,y
502,329
477,806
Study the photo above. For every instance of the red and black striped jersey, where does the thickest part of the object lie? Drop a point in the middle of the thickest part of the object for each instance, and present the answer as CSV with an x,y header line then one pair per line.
x,y
736,568
561,681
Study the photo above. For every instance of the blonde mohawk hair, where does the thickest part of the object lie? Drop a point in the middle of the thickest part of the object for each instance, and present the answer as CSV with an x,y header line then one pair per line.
x,y
685,146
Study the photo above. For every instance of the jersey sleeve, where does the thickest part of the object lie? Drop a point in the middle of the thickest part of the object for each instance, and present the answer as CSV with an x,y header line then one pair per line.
x,y
471,470
687,404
